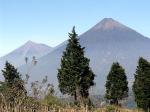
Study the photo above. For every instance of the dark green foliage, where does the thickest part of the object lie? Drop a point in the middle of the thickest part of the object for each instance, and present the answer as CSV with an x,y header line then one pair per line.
x,y
86,82
116,84
13,86
75,76
10,74
141,86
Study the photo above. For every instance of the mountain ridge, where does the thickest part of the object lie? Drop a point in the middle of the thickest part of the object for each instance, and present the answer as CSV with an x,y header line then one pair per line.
x,y
109,23
29,49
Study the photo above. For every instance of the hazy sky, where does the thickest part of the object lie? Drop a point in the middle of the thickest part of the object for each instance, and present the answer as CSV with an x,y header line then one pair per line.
x,y
49,21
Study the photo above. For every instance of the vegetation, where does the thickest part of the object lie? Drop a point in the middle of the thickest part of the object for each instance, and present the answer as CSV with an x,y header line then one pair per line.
x,y
75,77
12,89
116,84
14,95
141,86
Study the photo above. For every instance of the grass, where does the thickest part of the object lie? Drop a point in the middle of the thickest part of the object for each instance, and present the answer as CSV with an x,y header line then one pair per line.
x,y
44,108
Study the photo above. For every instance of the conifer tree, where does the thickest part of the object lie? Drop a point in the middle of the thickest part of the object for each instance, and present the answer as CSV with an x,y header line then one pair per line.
x,y
141,85
13,86
116,84
75,76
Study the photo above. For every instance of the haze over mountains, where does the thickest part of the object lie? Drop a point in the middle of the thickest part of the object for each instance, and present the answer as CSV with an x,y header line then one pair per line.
x,y
106,42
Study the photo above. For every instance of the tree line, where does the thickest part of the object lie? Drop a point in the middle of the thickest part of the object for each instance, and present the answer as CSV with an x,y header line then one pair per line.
x,y
75,78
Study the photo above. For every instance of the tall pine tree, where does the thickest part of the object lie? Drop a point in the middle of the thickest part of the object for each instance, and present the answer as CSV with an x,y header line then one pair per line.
x,y
75,76
13,87
116,84
141,85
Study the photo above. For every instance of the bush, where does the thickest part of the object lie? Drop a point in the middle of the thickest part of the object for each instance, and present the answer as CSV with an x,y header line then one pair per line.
x,y
110,108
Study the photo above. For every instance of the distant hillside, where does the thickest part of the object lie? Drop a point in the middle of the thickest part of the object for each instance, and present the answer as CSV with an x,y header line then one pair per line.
x,y
29,49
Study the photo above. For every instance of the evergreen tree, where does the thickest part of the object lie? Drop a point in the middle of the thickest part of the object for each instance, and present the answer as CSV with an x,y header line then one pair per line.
x,y
116,84
13,86
87,80
141,85
75,76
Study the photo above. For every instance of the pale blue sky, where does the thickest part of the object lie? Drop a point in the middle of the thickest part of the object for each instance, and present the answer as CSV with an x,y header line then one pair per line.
x,y
49,21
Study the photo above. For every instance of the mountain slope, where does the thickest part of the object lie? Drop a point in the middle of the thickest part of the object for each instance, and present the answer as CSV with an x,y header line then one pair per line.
x,y
29,50
106,42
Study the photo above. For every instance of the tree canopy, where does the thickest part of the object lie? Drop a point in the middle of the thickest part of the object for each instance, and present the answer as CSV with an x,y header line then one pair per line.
x,y
75,77
116,84
141,85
